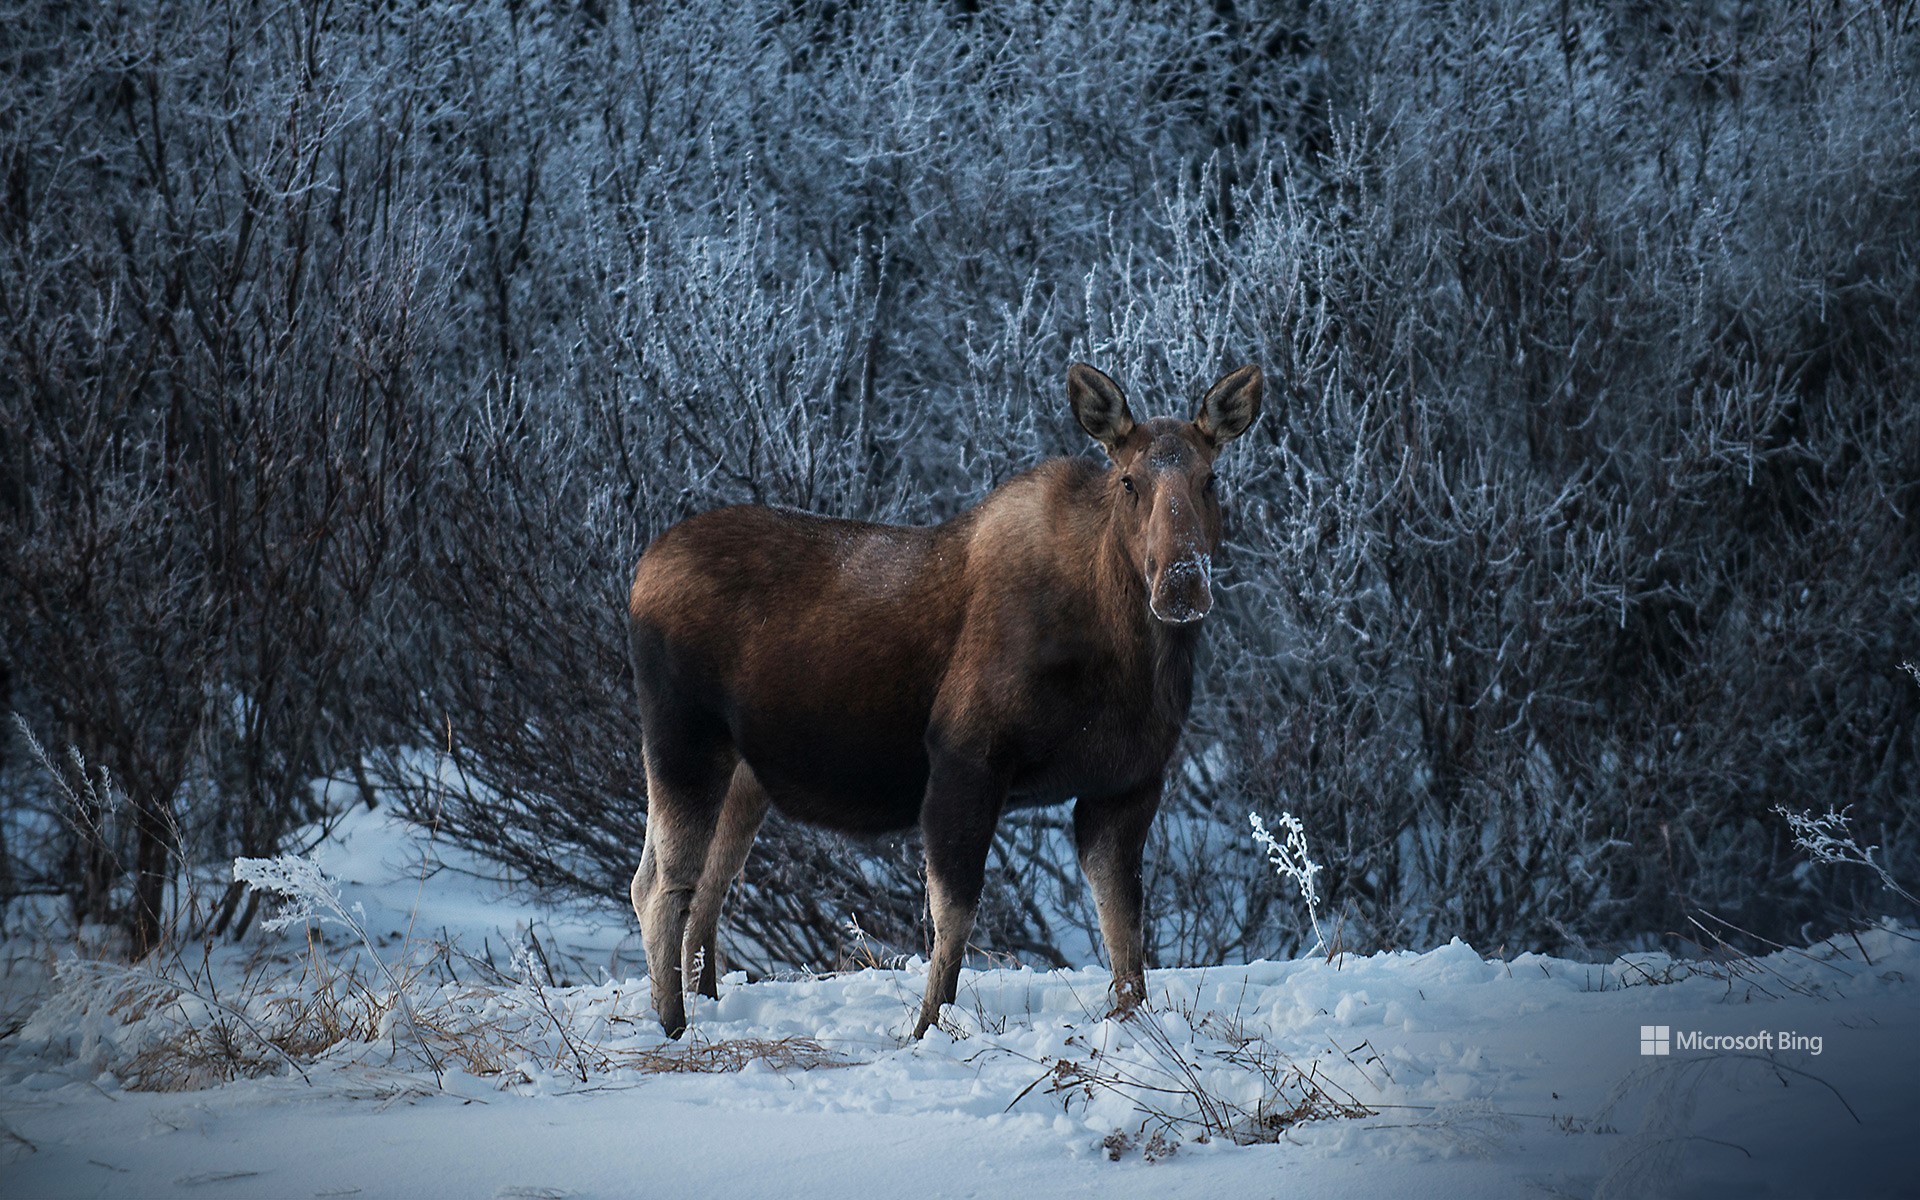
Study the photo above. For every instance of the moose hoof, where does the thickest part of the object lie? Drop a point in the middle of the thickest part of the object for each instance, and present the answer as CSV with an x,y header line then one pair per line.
x,y
1127,999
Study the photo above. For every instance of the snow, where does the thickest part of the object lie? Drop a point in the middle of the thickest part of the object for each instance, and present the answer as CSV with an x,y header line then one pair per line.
x,y
1482,1077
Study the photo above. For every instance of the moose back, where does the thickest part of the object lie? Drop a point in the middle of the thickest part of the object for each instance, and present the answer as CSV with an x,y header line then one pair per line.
x,y
1038,648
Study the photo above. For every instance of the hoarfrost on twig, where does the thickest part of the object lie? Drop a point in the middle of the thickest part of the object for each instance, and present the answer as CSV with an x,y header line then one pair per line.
x,y
1291,859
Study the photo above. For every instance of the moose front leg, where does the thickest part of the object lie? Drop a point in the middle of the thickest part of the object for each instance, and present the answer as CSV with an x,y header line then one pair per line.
x,y
957,821
1111,833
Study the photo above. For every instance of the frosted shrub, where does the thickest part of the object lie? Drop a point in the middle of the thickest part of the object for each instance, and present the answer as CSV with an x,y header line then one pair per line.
x,y
1828,838
1573,540
1291,860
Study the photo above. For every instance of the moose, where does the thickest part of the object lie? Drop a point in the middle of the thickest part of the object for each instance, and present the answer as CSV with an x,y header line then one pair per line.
x,y
1035,649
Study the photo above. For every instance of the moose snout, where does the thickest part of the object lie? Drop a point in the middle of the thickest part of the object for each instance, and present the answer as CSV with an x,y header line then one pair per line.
x,y
1182,591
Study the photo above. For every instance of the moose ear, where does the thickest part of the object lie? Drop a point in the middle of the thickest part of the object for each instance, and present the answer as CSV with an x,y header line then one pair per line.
x,y
1099,405
1230,405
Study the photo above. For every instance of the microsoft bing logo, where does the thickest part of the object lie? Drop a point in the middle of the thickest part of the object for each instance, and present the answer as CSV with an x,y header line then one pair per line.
x,y
1664,1039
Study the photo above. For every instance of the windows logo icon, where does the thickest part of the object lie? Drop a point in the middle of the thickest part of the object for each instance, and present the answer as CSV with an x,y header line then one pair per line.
x,y
1654,1040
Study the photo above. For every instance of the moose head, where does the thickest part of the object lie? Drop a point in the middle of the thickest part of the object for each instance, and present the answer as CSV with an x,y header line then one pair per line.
x,y
1164,502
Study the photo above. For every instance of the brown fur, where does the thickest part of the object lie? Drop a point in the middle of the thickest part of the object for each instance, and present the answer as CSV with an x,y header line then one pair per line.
x,y
1035,649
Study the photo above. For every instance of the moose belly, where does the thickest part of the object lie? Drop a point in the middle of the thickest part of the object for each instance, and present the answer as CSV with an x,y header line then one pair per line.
x,y
860,785
1093,759
837,734
858,776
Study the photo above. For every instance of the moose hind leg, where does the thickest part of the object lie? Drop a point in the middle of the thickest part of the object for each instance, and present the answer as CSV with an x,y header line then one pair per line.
x,y
1111,834
962,808
642,886
740,816
683,807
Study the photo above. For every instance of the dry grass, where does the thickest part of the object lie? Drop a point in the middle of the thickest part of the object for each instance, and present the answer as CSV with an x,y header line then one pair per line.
x,y
172,1030
1171,1086
184,1030
735,1054
179,1021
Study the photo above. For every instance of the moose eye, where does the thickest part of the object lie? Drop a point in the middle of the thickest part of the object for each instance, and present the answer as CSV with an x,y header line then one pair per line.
x,y
1126,481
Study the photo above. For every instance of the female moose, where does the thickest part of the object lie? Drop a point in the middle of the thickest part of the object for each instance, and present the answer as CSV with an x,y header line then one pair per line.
x,y
1035,649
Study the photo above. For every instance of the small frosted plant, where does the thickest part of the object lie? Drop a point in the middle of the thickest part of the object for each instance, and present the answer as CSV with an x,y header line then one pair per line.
x,y
696,966
535,976
1292,861
859,948
313,897
1828,838
311,894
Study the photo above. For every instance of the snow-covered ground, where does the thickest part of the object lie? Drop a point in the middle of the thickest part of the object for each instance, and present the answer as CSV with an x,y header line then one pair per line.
x,y
1443,1073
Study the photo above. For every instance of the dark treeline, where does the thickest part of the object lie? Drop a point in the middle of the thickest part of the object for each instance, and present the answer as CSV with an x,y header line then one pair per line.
x,y
352,352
